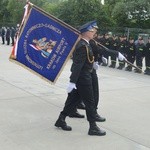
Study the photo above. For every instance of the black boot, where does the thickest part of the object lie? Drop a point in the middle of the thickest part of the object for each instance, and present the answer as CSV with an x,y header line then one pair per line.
x,y
127,68
119,67
130,68
112,65
147,72
95,130
137,71
76,114
98,118
62,124
81,106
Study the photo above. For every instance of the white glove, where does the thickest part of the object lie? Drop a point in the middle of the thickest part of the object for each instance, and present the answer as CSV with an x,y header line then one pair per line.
x,y
121,57
96,65
104,60
71,86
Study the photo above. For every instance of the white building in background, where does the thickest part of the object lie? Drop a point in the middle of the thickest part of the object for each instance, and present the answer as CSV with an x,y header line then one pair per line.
x,y
102,1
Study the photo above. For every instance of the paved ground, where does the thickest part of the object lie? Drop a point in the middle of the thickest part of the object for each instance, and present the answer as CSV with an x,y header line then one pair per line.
x,y
30,106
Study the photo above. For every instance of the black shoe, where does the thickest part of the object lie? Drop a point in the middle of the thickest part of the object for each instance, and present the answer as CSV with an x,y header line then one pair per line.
x,y
127,69
147,73
103,64
98,118
137,71
60,123
130,69
81,106
95,130
111,66
63,125
120,68
76,115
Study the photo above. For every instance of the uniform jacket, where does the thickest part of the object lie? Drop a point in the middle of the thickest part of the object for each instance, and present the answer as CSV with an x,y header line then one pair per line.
x,y
82,63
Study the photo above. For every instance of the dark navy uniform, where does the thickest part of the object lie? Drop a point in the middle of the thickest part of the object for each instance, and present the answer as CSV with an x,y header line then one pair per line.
x,y
113,46
106,43
3,35
122,49
140,48
81,78
81,75
12,35
8,36
97,52
147,58
130,53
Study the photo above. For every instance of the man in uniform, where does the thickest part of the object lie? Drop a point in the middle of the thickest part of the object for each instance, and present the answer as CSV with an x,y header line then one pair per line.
x,y
12,35
113,46
8,35
130,53
81,82
147,57
140,48
3,35
121,48
106,43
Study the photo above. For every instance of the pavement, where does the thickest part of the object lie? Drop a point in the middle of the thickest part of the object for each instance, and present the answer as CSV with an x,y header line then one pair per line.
x,y
29,107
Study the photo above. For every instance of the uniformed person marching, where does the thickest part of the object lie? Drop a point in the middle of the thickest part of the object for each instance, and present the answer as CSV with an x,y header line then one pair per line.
x,y
81,83
147,58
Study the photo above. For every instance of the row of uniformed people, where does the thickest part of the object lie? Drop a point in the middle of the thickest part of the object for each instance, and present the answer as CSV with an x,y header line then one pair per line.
x,y
134,51
8,34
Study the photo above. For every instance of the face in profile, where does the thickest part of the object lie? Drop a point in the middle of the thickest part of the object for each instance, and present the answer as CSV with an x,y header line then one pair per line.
x,y
91,34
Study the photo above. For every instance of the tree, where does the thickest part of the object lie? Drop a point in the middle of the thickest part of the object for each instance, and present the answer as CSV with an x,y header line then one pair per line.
x,y
119,14
77,12
16,10
4,13
131,13
139,13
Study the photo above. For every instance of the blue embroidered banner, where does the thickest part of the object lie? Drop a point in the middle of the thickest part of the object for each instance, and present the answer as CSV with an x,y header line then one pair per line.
x,y
45,43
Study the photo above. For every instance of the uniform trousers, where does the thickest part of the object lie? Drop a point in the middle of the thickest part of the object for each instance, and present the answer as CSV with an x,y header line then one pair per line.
x,y
85,92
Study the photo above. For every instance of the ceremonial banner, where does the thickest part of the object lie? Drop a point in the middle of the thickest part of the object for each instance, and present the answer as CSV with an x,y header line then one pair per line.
x,y
44,43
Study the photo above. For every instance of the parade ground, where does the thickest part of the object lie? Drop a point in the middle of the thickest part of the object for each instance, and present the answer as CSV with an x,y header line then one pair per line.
x,y
29,107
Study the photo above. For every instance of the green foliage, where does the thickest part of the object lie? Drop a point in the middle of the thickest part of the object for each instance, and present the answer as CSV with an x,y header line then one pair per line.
x,y
119,14
4,13
123,12
16,10
77,12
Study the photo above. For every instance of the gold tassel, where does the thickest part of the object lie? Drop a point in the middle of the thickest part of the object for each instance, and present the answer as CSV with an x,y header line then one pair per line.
x,y
90,61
